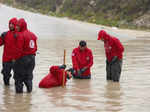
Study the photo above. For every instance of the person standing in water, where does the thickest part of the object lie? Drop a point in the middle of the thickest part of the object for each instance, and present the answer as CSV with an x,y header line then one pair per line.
x,y
114,54
25,59
8,40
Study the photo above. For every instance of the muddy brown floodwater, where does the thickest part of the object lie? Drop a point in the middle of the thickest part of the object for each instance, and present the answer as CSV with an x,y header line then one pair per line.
x,y
132,94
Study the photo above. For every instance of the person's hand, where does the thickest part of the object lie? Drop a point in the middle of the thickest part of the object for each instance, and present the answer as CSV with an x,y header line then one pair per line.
x,y
62,66
83,69
115,58
71,70
69,75
3,35
15,35
107,62
13,61
79,72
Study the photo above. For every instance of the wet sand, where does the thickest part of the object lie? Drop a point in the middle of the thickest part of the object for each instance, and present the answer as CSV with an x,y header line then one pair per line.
x,y
95,95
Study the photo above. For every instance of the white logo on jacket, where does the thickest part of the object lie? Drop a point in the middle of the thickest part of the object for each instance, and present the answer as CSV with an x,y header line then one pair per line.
x,y
73,54
87,58
31,44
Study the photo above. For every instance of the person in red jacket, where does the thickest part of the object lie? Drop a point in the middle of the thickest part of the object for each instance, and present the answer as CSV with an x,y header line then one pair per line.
x,y
55,77
82,60
25,58
114,53
8,40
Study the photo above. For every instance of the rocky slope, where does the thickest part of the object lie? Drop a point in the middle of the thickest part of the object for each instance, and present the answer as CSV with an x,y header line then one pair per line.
x,y
119,13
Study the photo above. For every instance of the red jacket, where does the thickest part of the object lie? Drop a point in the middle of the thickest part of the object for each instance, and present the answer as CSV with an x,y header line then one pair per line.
x,y
54,78
26,40
81,59
1,41
9,42
113,46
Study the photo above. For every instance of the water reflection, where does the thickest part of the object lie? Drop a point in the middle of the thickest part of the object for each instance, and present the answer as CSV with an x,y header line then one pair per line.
x,y
113,95
16,102
76,98
81,94
57,96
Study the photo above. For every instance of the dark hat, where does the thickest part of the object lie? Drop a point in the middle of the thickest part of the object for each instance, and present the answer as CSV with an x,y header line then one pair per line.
x,y
82,43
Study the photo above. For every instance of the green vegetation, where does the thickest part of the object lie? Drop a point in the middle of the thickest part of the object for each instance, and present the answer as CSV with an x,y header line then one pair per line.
x,y
119,13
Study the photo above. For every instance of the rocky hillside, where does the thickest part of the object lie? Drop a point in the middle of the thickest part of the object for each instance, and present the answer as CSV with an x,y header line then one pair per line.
x,y
120,13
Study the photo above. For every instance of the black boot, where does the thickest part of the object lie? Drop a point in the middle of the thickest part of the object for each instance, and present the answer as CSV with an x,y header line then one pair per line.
x,y
29,89
19,87
28,84
6,81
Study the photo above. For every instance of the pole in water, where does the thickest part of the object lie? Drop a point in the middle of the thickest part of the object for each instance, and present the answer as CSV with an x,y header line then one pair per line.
x,y
63,82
